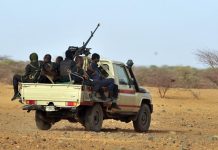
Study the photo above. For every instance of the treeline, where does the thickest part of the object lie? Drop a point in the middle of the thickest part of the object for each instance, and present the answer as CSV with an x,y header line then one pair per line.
x,y
177,76
165,76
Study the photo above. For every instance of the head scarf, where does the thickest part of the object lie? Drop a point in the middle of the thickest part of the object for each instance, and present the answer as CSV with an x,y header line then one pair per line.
x,y
34,59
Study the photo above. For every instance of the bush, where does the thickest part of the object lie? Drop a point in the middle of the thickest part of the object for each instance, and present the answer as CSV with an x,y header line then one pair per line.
x,y
10,67
184,76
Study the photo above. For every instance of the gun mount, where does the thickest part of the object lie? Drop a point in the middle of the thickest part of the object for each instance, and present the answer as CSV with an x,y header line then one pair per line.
x,y
83,49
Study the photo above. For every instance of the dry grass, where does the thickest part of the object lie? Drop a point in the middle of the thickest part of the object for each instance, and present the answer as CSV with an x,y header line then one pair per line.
x,y
8,68
178,122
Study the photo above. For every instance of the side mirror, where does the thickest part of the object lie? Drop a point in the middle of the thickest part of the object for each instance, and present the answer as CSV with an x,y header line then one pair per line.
x,y
129,63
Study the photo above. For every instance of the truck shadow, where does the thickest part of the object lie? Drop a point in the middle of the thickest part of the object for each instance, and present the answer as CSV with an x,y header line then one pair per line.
x,y
133,131
117,130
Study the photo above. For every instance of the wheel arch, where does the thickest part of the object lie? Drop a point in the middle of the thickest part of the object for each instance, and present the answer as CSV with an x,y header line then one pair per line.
x,y
147,102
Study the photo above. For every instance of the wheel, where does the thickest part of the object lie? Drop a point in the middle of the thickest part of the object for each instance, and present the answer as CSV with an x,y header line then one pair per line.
x,y
126,120
142,123
82,121
94,118
72,120
81,116
41,122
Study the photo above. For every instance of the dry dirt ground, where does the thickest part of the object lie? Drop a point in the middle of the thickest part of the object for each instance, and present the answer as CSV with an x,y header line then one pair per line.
x,y
179,122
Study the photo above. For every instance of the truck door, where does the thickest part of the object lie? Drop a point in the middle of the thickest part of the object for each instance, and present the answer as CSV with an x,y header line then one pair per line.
x,y
127,94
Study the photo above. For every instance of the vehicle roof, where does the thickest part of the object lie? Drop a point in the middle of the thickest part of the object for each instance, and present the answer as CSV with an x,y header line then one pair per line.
x,y
111,61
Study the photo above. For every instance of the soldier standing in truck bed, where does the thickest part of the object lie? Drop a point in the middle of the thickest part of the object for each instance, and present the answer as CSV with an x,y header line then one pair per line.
x,y
31,75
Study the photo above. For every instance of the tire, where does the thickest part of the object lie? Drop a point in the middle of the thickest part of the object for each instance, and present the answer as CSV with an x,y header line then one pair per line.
x,y
82,121
142,123
41,122
94,118
81,116
72,120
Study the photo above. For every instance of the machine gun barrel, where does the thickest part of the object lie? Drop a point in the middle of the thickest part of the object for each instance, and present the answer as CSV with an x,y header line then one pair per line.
x,y
92,33
83,50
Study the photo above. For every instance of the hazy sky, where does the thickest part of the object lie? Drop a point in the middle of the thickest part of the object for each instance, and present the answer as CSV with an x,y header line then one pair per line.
x,y
151,32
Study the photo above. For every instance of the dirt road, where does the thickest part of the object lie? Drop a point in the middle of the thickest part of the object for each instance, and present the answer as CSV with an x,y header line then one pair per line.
x,y
179,122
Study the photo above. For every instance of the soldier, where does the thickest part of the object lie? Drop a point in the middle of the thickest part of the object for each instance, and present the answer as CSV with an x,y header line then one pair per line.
x,y
79,67
49,70
32,72
58,60
100,81
67,66
80,71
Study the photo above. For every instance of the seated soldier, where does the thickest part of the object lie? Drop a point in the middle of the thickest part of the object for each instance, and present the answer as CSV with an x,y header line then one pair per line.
x,y
49,70
66,66
78,70
99,81
58,60
83,77
32,72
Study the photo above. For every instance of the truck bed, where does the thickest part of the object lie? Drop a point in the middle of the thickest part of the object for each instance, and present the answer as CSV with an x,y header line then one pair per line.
x,y
58,94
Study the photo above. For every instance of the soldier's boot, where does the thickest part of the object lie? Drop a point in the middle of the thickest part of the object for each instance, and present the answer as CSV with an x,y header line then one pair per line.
x,y
115,106
103,97
20,101
111,96
94,97
16,96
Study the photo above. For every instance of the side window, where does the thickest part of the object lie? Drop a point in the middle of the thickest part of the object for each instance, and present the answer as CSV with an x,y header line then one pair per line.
x,y
106,66
122,75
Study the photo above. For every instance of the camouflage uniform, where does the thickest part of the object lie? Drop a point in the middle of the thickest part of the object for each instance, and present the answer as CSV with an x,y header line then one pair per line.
x,y
65,66
32,72
48,69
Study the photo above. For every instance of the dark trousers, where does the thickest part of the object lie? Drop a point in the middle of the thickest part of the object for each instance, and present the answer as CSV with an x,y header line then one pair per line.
x,y
43,79
98,84
77,80
16,79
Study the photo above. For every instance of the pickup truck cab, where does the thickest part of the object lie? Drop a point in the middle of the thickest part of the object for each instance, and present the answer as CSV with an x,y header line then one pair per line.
x,y
53,102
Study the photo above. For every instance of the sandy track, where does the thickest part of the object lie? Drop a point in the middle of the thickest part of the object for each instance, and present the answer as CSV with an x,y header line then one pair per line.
x,y
178,122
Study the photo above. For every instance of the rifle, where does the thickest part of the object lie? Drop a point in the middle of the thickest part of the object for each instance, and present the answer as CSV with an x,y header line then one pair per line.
x,y
83,50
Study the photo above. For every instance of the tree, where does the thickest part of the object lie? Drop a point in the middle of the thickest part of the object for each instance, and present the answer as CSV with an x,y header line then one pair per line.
x,y
4,57
162,78
210,58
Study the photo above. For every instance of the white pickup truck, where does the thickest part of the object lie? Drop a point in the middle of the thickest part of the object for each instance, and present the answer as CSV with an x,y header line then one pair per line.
x,y
53,102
